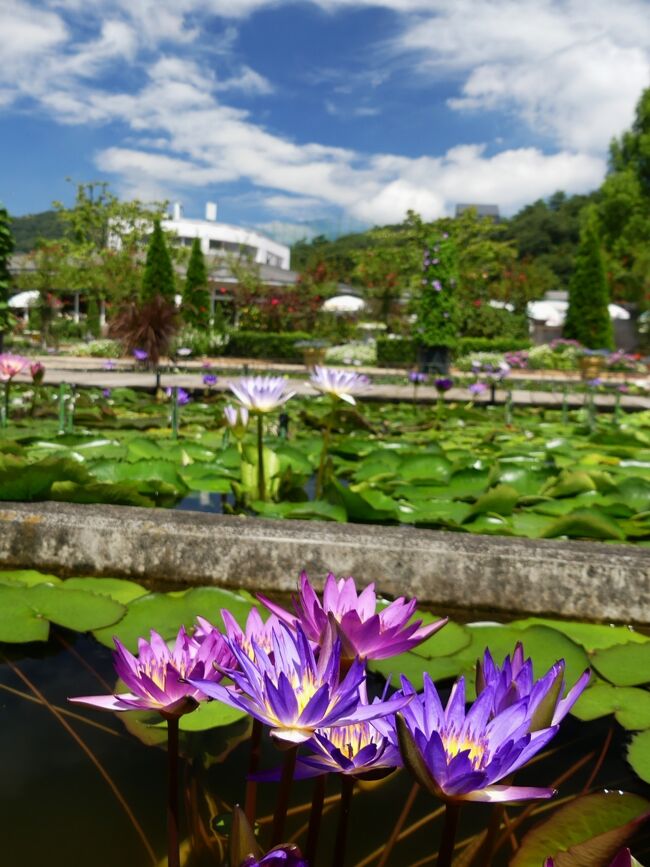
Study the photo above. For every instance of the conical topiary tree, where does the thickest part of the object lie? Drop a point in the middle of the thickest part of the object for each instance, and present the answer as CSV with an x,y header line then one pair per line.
x,y
196,297
437,306
6,249
158,277
587,318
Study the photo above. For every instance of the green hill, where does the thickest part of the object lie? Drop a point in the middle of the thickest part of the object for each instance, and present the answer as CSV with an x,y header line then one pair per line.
x,y
29,229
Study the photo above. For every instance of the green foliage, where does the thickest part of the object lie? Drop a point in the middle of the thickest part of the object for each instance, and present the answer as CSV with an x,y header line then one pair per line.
x,y
6,249
158,277
196,298
92,318
481,320
402,351
437,309
587,318
276,347
30,229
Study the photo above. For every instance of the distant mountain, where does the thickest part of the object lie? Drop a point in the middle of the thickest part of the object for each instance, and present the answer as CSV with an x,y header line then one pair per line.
x,y
29,229
304,230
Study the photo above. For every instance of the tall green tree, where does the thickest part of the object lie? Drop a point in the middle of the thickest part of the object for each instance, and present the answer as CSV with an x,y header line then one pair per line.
x,y
196,297
6,249
588,318
158,277
624,210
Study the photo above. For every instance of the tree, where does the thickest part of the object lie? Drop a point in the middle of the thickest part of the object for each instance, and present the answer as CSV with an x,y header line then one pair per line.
x,y
6,249
624,210
196,297
158,277
588,318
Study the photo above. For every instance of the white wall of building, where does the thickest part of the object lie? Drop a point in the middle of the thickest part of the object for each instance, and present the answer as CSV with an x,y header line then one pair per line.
x,y
222,238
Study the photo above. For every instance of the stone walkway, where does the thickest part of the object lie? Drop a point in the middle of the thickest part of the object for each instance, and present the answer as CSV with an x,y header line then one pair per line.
x,y
94,372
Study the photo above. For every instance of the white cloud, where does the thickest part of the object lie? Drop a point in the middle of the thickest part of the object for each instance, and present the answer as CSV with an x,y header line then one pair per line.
x,y
570,69
26,32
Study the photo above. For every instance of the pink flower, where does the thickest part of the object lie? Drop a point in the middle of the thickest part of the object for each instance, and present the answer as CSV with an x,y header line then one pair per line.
x,y
362,630
11,365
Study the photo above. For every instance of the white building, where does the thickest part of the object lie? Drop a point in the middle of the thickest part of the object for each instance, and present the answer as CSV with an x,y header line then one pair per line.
x,y
221,238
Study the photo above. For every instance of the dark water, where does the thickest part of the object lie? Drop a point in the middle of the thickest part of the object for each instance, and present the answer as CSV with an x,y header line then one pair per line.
x,y
57,810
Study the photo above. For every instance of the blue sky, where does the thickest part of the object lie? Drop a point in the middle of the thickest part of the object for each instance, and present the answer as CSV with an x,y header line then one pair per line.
x,y
344,111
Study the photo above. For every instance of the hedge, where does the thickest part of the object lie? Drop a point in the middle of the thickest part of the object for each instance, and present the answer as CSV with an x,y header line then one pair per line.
x,y
402,351
267,345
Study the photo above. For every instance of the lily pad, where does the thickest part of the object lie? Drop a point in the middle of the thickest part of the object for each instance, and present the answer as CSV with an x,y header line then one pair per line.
x,y
27,577
630,705
118,589
578,821
585,524
592,636
500,500
625,664
638,755
73,609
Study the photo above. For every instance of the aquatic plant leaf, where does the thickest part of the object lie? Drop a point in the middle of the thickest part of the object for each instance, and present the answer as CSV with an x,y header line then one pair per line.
x,y
27,577
209,715
570,484
425,468
625,664
638,755
592,636
117,494
500,500
211,484
167,612
526,481
583,523
19,621
118,589
73,609
581,820
630,705
26,482
490,524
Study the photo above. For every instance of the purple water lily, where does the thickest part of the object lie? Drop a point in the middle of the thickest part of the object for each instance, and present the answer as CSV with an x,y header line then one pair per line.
x,y
286,855
477,388
256,631
358,750
182,396
158,678
261,394
37,372
140,354
340,384
514,680
362,630
443,384
417,377
460,755
210,379
292,691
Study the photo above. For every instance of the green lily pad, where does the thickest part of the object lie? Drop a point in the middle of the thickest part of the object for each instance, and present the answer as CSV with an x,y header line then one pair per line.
x,y
583,523
638,755
630,705
73,609
581,820
500,500
446,641
570,484
425,468
118,589
27,577
624,664
166,613
592,636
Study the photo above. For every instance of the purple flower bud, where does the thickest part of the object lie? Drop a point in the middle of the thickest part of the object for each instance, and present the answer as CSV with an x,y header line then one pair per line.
x,y
209,379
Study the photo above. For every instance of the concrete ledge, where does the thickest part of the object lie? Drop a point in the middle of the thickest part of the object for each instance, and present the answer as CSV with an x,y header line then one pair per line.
x,y
449,570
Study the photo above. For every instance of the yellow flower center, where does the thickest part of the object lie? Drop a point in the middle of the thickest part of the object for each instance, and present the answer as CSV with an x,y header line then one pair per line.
x,y
455,744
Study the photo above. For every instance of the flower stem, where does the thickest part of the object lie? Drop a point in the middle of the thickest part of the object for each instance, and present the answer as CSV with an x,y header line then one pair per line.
x,y
250,802
6,414
327,432
486,852
347,786
315,817
397,830
282,803
446,853
261,482
173,851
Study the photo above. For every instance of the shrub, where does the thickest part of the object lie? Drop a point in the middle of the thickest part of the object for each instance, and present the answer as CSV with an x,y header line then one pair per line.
x,y
402,351
437,307
587,317
99,349
200,341
272,346
356,352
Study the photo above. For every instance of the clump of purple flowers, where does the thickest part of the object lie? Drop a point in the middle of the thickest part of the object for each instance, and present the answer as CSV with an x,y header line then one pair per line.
x,y
443,384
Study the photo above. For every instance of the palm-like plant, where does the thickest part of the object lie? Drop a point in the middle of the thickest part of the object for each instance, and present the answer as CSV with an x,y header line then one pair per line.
x,y
148,326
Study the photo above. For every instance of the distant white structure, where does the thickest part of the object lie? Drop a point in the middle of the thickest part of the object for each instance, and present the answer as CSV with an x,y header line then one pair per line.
x,y
222,238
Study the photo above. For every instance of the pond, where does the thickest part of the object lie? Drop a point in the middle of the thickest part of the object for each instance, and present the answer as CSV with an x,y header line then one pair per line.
x,y
59,808
537,474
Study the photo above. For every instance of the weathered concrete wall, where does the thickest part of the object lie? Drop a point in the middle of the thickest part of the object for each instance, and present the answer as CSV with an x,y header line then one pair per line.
x,y
452,570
